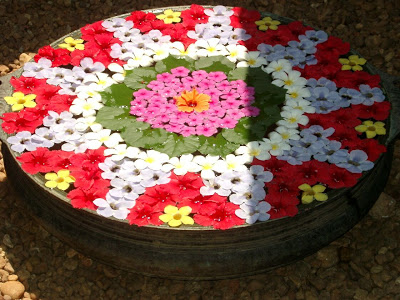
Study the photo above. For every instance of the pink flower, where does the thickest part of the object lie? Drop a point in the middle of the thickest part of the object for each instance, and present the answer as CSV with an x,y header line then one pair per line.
x,y
217,76
156,85
180,72
205,130
187,131
199,75
165,77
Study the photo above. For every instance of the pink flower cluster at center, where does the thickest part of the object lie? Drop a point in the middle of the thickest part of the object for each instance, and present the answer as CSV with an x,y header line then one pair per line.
x,y
230,101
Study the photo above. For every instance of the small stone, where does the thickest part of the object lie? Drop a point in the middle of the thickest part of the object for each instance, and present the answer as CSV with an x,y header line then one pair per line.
x,y
255,285
360,294
345,254
328,257
384,207
71,253
71,264
8,267
7,297
3,177
4,69
2,262
110,272
4,275
14,289
376,269
13,277
7,241
24,58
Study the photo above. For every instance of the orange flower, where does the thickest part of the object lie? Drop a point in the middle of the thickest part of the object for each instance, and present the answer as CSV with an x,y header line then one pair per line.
x,y
192,101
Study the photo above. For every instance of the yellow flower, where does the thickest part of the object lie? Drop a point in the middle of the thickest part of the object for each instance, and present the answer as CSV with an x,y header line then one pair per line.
x,y
60,180
312,192
192,101
19,101
352,63
267,23
371,129
176,217
72,44
169,16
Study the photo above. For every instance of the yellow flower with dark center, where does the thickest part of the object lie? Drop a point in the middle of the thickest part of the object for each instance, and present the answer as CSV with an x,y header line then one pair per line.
x,y
267,23
71,44
352,63
169,16
372,129
19,101
192,101
312,192
176,217
61,180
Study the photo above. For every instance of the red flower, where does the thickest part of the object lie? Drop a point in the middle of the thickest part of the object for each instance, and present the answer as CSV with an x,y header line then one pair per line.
x,y
348,137
187,185
282,207
207,204
102,43
89,160
45,93
161,25
297,28
371,147
285,186
334,45
178,33
83,198
159,196
222,217
60,160
353,80
143,214
378,111
310,171
20,121
327,66
335,177
141,20
36,161
26,85
273,165
192,16
243,18
89,177
91,30
95,54
281,36
58,57
343,117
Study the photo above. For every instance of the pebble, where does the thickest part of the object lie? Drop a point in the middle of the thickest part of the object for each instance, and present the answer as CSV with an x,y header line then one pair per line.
x,y
328,256
383,208
14,289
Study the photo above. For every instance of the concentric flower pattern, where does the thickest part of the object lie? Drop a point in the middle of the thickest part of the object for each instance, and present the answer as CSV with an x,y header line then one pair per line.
x,y
213,117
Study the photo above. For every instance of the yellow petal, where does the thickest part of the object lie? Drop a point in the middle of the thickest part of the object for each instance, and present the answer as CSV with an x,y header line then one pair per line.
x,y
18,95
346,67
357,68
174,223
187,220
69,40
165,218
380,131
168,12
10,100
30,97
361,128
185,210
368,123
305,187
69,179
379,124
30,104
318,188
17,107
370,134
80,47
260,22
171,210
307,199
63,186
344,61
63,173
51,176
321,197
51,184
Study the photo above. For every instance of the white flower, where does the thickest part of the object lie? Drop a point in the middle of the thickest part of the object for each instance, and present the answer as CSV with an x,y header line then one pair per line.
x,y
291,118
254,213
210,47
104,136
281,65
111,169
140,58
252,59
288,79
22,141
86,108
154,177
44,137
151,159
119,72
214,185
254,149
121,151
231,163
37,70
236,52
181,165
288,133
178,49
206,165
126,35
260,175
297,93
276,144
100,79
113,207
126,189
117,24
84,123
302,105
159,51
251,196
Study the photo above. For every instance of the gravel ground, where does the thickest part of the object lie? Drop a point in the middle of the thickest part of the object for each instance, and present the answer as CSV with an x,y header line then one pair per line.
x,y
363,264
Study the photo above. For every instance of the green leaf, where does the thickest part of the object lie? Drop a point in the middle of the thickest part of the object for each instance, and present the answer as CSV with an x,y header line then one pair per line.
x,y
238,74
117,118
238,135
140,77
132,137
216,146
152,137
117,95
176,145
214,64
172,62
255,75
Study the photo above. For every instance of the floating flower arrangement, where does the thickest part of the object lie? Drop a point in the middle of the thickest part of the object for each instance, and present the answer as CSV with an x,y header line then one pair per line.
x,y
203,117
